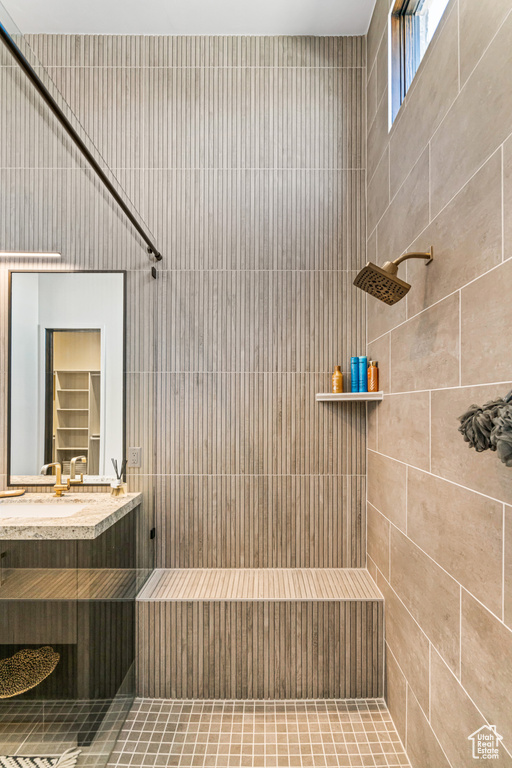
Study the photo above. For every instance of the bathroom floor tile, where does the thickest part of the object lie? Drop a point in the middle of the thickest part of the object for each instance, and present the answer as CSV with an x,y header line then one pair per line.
x,y
259,734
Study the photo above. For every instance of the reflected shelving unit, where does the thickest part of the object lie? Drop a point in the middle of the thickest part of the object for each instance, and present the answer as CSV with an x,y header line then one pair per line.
x,y
77,418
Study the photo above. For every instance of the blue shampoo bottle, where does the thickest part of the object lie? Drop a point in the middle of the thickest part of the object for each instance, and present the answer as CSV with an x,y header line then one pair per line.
x,y
354,374
363,374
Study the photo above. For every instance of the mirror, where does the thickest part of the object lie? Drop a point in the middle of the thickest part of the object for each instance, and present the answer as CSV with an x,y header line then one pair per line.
x,y
66,385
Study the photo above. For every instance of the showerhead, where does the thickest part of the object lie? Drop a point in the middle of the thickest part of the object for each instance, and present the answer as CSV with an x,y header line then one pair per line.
x,y
383,283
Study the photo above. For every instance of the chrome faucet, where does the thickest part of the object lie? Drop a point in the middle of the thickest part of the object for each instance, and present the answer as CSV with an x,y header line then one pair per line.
x,y
73,479
58,487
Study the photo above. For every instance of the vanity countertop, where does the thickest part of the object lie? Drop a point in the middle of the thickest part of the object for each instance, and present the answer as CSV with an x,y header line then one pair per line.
x,y
98,511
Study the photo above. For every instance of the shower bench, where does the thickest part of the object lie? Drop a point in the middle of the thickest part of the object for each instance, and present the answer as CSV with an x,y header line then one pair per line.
x,y
260,633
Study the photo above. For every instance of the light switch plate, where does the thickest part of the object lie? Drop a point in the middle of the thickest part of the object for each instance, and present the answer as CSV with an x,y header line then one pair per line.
x,y
134,457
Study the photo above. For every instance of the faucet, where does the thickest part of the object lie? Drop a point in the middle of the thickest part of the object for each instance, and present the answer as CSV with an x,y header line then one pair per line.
x,y
58,487
72,470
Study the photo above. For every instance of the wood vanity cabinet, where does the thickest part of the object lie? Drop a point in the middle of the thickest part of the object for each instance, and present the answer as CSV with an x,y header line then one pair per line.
x,y
79,597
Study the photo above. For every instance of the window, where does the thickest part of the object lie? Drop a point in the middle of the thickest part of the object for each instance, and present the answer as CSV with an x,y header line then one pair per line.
x,y
412,24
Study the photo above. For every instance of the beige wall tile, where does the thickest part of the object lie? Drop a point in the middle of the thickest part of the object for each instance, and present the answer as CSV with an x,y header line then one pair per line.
x,y
378,192
372,425
507,198
377,134
386,487
427,100
453,715
486,663
378,539
430,594
507,584
404,428
381,317
486,319
451,456
396,693
479,22
371,567
371,246
371,95
379,351
482,129
407,215
378,26
461,531
408,643
422,746
425,350
466,237
381,65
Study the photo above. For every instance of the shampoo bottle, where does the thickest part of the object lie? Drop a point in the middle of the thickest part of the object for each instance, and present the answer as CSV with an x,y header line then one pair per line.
x,y
354,374
337,381
363,374
373,376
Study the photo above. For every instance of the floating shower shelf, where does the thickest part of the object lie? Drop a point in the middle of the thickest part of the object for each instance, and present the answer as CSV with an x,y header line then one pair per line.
x,y
329,397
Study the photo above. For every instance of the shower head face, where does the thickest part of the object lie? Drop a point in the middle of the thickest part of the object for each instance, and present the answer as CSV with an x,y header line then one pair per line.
x,y
381,284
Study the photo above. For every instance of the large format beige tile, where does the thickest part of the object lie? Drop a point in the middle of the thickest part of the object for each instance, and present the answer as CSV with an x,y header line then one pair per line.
x,y
425,350
461,531
378,25
372,425
427,100
371,95
454,717
480,117
381,317
507,198
396,693
407,642
378,192
404,428
379,351
377,134
507,576
479,22
387,480
451,456
486,320
466,237
486,663
377,536
422,746
430,594
407,214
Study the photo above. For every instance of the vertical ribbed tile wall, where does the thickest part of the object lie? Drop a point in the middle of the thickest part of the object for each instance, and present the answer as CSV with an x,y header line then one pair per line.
x,y
246,156
242,650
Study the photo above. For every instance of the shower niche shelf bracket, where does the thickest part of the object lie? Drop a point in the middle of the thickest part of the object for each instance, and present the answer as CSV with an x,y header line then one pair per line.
x,y
342,397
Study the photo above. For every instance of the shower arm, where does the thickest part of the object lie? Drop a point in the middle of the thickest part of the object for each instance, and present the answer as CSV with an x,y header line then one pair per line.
x,y
392,266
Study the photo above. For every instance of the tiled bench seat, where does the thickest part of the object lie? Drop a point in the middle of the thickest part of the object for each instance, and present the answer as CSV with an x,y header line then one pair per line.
x,y
260,634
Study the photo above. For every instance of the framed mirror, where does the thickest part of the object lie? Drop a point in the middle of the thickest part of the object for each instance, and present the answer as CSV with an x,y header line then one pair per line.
x,y
66,374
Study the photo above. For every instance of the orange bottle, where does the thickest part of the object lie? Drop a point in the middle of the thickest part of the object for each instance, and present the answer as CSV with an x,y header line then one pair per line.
x,y
337,381
373,376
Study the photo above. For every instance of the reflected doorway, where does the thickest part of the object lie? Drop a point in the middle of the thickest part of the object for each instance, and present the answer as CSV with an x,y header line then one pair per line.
x,y
73,397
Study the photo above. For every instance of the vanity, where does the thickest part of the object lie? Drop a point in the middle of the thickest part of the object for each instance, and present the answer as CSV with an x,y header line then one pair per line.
x,y
72,555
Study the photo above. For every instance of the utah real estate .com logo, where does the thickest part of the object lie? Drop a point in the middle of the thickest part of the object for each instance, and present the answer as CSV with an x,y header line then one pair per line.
x,y
486,743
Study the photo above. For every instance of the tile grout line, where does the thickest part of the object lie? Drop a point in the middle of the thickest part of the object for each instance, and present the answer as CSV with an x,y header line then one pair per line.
x,y
442,568
440,477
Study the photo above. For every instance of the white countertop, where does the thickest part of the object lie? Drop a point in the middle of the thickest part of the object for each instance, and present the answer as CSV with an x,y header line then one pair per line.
x,y
96,513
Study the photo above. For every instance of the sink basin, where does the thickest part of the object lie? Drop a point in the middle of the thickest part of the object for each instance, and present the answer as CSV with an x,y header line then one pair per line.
x,y
10,511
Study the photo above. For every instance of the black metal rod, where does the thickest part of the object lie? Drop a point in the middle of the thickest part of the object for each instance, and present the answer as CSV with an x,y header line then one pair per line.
x,y
63,120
